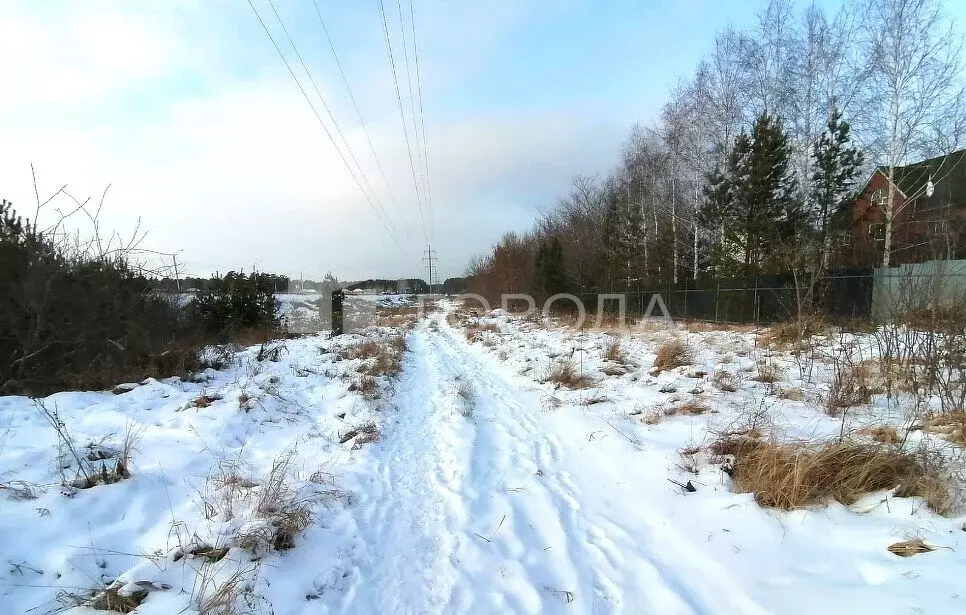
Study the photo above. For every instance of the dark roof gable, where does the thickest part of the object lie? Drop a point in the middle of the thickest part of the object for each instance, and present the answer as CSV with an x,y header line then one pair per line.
x,y
947,173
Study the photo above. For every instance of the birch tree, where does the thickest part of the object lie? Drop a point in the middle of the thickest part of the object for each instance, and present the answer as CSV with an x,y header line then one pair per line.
x,y
914,71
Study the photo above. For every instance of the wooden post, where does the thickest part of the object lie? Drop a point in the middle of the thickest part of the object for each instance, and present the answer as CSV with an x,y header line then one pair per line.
x,y
337,313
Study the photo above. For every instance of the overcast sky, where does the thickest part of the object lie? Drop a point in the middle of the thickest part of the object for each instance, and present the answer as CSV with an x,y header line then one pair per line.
x,y
184,107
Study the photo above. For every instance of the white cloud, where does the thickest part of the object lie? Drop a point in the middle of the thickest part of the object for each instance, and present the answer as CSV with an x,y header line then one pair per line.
x,y
237,171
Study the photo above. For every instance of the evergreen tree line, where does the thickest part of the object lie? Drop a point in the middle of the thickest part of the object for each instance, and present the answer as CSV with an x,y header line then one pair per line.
x,y
754,160
80,318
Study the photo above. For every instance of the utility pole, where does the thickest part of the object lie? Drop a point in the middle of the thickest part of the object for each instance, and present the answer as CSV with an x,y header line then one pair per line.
x,y
431,260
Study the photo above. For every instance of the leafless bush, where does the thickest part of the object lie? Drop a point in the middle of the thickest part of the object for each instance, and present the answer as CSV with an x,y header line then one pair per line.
x,y
923,344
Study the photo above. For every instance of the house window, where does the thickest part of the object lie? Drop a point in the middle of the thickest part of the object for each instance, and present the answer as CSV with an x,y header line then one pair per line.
x,y
877,231
845,238
879,198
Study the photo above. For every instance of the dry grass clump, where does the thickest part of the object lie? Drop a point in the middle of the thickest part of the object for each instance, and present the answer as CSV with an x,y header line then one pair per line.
x,y
378,359
908,548
692,407
402,316
363,434
282,511
565,374
224,600
203,401
951,425
796,475
115,462
368,349
18,490
786,333
673,353
883,434
768,372
791,393
725,381
111,599
475,331
613,351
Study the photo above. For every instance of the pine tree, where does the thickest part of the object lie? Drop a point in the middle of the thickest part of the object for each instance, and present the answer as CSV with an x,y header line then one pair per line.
x,y
837,166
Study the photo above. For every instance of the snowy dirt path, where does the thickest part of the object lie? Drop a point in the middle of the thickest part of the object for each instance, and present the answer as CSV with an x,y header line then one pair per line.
x,y
484,502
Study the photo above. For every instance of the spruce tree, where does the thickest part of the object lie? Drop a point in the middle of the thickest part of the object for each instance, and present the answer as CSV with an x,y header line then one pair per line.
x,y
752,201
549,272
837,166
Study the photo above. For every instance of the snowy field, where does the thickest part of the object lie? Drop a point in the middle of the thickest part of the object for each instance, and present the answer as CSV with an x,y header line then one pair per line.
x,y
351,475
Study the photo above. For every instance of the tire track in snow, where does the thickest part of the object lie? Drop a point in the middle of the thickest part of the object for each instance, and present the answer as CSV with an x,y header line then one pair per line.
x,y
634,561
485,514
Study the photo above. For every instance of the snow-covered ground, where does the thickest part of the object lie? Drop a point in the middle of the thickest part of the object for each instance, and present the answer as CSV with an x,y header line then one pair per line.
x,y
487,491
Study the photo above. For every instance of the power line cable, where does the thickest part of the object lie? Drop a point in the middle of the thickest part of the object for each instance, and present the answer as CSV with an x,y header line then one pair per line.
x,y
402,116
328,111
322,123
422,121
352,98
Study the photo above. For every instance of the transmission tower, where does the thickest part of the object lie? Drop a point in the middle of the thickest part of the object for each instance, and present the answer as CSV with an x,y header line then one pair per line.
x,y
432,265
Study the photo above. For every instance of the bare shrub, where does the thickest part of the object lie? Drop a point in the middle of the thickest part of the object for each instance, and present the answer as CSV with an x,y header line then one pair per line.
x,y
673,353
795,475
851,386
564,373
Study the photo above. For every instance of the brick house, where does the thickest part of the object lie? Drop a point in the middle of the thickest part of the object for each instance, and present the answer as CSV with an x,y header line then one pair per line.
x,y
930,218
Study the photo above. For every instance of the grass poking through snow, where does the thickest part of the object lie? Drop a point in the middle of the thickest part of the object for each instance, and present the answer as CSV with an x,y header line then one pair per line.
x,y
795,475
673,353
